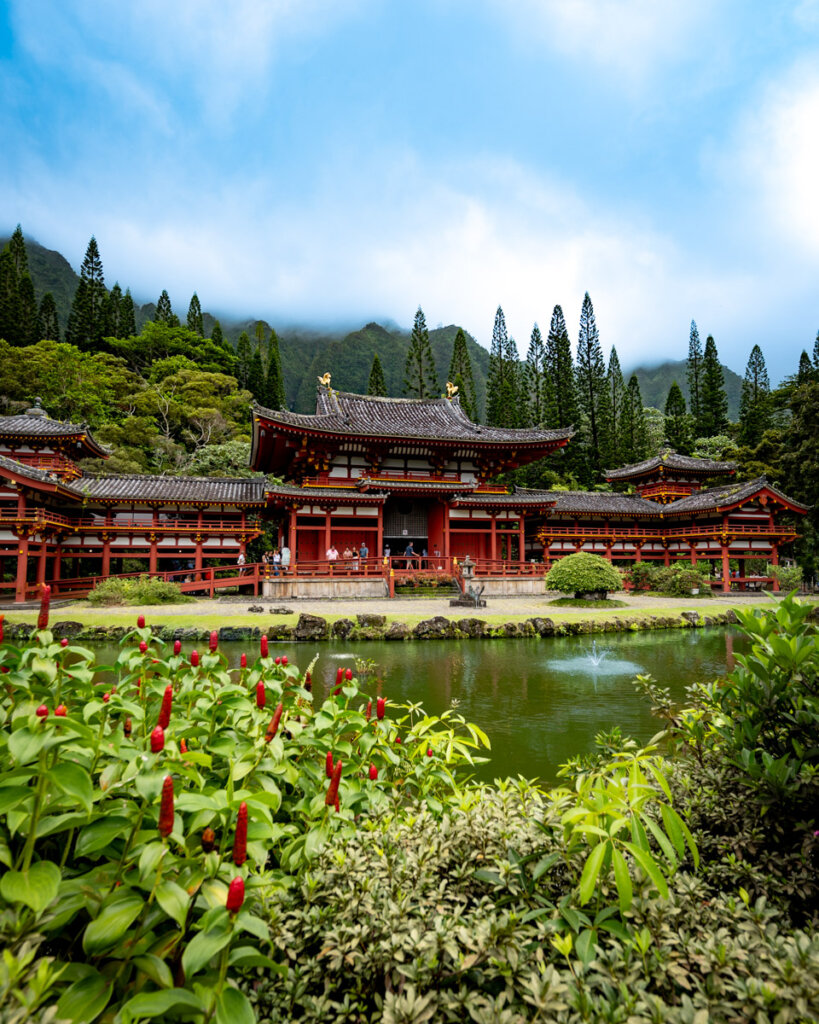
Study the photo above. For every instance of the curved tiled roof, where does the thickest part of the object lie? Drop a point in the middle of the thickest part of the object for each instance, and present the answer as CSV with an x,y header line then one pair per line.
x,y
605,503
340,412
211,489
671,460
40,426
344,495
37,475
728,494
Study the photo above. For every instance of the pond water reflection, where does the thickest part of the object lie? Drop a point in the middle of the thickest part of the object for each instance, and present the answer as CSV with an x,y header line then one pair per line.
x,y
540,701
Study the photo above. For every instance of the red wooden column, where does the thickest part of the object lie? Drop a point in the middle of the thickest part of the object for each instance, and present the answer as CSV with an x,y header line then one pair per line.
x,y
775,561
379,544
693,553
291,535
493,538
22,570
41,560
328,517
446,552
197,558
58,554
522,539
638,551
153,554
106,554
726,569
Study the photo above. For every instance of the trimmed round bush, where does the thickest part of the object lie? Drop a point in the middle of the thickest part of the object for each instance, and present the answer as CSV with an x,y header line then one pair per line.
x,y
584,575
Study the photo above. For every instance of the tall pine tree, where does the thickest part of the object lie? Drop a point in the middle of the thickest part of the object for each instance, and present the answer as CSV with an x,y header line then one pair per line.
x,y
256,375
18,306
48,325
617,392
243,359
713,400
27,310
164,312
634,430
376,385
593,394
695,377
420,377
538,390
274,394
755,402
677,433
127,316
216,335
113,313
502,385
560,365
460,374
87,320
9,299
195,321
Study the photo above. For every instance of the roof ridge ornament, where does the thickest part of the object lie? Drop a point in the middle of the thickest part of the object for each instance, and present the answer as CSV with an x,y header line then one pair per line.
x,y
325,379
37,409
451,390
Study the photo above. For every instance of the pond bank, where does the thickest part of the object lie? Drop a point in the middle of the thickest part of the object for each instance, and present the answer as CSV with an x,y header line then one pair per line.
x,y
370,626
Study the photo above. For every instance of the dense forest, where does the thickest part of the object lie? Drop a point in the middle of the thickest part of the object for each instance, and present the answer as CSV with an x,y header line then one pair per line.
x,y
170,392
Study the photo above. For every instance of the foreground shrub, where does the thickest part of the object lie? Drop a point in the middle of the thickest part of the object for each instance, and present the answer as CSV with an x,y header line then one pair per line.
x,y
147,817
140,590
789,577
680,579
584,575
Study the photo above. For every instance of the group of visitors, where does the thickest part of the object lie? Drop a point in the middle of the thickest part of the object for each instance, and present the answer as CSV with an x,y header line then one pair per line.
x,y
279,559
351,558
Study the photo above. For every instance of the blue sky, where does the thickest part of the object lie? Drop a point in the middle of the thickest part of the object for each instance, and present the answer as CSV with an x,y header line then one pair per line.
x,y
336,162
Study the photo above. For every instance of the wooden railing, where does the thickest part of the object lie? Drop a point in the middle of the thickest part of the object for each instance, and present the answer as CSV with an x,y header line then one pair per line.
x,y
127,524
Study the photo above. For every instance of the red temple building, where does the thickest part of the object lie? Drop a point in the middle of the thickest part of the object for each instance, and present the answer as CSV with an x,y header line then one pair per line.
x,y
379,473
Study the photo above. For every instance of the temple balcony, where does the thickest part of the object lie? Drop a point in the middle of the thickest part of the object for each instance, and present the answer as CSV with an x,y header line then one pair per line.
x,y
55,463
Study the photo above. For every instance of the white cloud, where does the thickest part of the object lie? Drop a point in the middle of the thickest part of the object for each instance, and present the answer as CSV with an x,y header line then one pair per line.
x,y
774,158
630,38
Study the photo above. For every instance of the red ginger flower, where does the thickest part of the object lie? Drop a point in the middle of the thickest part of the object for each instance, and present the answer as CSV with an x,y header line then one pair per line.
x,y
213,643
373,772
273,728
165,825
380,706
397,739
278,660
63,642
261,696
42,711
263,646
328,764
339,676
429,751
243,660
331,799
157,739
194,659
164,719
61,710
236,895
126,727
143,647
284,659
45,601
208,840
183,747
348,675
177,646
240,839
369,709
140,622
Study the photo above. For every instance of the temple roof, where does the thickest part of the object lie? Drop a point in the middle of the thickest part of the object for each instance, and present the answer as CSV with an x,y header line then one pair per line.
x,y
340,412
669,459
36,424
37,476
605,503
314,495
207,489
715,498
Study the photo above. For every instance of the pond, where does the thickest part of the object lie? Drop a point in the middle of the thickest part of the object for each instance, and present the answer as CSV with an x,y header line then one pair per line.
x,y
540,701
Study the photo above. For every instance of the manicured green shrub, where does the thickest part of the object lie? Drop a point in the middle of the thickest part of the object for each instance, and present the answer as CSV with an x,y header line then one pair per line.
x,y
584,574
680,579
642,575
789,577
138,590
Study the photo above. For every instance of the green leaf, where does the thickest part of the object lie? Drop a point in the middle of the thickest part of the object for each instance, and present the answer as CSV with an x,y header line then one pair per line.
x,y
249,956
622,879
591,870
155,969
202,948
43,668
233,1007
112,922
255,925
584,947
155,1005
174,901
681,825
85,1000
665,845
37,887
650,868
672,827
25,745
11,796
100,833
73,780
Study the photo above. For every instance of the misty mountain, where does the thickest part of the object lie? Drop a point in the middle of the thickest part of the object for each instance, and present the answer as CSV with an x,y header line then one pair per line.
x,y
656,381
